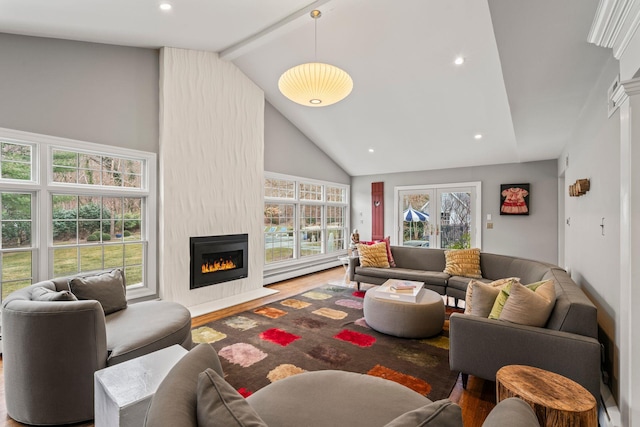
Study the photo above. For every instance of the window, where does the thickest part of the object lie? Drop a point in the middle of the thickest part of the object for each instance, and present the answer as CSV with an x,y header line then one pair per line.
x,y
70,207
16,248
303,219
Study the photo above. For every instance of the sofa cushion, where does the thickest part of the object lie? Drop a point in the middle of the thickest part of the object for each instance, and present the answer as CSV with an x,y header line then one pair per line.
x,y
484,296
429,277
219,404
498,284
40,293
441,413
463,262
373,255
174,403
144,327
413,258
109,289
392,262
529,307
502,298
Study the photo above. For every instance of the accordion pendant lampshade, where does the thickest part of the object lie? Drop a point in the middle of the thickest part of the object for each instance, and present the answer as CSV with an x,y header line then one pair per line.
x,y
315,84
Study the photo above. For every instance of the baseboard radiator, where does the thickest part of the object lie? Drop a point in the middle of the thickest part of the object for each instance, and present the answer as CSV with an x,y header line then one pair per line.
x,y
609,414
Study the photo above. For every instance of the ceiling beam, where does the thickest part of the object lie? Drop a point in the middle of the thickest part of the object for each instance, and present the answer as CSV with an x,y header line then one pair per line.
x,y
272,32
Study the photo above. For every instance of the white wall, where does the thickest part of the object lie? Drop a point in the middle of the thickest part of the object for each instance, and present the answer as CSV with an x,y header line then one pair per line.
x,y
211,168
533,236
594,258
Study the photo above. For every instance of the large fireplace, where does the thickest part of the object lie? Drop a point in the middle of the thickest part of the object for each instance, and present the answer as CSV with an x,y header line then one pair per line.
x,y
217,259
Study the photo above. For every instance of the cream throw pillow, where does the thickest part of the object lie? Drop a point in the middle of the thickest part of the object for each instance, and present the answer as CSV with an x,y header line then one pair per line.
x,y
498,305
497,284
463,262
373,255
527,307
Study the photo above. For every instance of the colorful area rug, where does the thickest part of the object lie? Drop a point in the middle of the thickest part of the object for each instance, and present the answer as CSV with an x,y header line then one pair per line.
x,y
323,329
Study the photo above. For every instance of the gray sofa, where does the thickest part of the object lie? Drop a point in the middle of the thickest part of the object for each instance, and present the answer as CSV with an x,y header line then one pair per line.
x,y
321,398
52,348
567,344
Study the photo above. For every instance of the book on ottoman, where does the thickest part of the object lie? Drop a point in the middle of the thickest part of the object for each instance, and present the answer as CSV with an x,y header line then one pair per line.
x,y
399,290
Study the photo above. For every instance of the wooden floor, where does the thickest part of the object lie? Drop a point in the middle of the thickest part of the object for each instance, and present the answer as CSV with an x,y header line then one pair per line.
x,y
476,401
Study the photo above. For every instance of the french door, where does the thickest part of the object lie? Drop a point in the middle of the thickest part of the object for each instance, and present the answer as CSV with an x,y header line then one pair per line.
x,y
439,216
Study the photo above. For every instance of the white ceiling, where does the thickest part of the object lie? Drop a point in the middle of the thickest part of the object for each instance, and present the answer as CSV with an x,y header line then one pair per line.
x,y
528,71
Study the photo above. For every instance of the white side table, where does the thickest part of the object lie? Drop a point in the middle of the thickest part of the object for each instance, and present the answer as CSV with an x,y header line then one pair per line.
x,y
345,263
123,391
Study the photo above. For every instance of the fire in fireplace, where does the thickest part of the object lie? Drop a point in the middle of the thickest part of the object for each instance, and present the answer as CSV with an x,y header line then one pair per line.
x,y
217,259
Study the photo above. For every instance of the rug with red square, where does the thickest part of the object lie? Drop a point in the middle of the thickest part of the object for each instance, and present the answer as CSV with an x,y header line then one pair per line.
x,y
323,329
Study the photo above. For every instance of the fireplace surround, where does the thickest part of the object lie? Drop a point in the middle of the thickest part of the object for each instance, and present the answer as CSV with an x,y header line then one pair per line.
x,y
218,259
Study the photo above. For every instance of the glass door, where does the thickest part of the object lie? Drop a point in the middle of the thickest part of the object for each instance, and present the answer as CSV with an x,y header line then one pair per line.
x,y
416,217
456,228
439,216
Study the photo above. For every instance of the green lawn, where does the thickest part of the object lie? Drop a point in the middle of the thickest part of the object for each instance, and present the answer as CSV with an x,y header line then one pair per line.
x,y
16,266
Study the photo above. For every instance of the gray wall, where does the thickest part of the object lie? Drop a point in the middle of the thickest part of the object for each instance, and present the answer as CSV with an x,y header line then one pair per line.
x,y
289,151
534,236
92,92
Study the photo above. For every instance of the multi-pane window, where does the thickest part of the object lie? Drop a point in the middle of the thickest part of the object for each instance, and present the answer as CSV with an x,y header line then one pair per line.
x,y
311,222
69,208
96,233
15,161
92,169
16,247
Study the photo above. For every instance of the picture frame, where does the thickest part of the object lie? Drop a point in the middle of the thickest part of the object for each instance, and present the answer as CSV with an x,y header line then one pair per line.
x,y
515,199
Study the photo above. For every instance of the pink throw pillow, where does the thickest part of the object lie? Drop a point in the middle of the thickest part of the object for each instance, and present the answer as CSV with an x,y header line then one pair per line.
x,y
392,262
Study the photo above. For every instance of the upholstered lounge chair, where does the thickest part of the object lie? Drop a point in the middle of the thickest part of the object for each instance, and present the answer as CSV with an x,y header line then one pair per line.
x,y
52,348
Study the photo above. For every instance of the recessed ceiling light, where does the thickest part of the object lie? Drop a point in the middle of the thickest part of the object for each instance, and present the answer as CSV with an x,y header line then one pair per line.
x,y
477,136
165,6
371,150
459,60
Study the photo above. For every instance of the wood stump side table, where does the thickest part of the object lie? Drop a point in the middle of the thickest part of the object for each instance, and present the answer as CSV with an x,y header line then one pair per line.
x,y
556,400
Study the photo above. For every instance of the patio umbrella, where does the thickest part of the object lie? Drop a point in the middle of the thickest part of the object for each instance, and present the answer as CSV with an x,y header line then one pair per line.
x,y
411,215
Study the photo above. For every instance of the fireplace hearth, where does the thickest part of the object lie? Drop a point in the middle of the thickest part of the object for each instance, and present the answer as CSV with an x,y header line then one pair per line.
x,y
218,259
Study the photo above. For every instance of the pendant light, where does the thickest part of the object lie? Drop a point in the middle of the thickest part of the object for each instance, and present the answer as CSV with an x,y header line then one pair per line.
x,y
315,84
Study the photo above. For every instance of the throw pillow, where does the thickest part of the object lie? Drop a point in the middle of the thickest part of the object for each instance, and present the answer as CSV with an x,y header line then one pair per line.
x,y
468,300
463,262
219,404
373,255
44,294
498,305
527,307
109,289
441,413
392,262
484,296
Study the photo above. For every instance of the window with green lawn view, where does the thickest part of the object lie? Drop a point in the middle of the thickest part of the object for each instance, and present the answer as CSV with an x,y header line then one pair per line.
x,y
303,218
70,208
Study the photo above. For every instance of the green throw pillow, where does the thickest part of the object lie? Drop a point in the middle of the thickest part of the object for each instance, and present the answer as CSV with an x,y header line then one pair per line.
x,y
498,305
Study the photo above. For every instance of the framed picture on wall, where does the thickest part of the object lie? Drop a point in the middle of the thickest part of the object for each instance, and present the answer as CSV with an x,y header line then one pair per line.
x,y
514,199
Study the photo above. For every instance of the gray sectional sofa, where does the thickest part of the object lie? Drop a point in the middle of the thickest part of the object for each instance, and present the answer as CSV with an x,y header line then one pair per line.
x,y
322,398
567,344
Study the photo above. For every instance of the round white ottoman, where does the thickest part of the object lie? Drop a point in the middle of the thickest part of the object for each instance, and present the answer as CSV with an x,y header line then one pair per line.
x,y
421,319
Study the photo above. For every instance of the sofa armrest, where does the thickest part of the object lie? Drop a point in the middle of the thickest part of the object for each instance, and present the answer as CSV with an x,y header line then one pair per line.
x,y
512,412
480,347
354,262
51,350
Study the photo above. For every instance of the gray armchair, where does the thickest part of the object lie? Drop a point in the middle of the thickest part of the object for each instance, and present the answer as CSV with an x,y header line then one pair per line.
x,y
52,348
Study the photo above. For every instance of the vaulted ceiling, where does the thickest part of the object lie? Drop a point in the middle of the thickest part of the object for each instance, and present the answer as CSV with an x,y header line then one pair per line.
x,y
528,68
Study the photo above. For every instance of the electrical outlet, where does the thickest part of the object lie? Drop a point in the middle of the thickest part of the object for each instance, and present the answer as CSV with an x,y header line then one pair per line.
x,y
489,226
